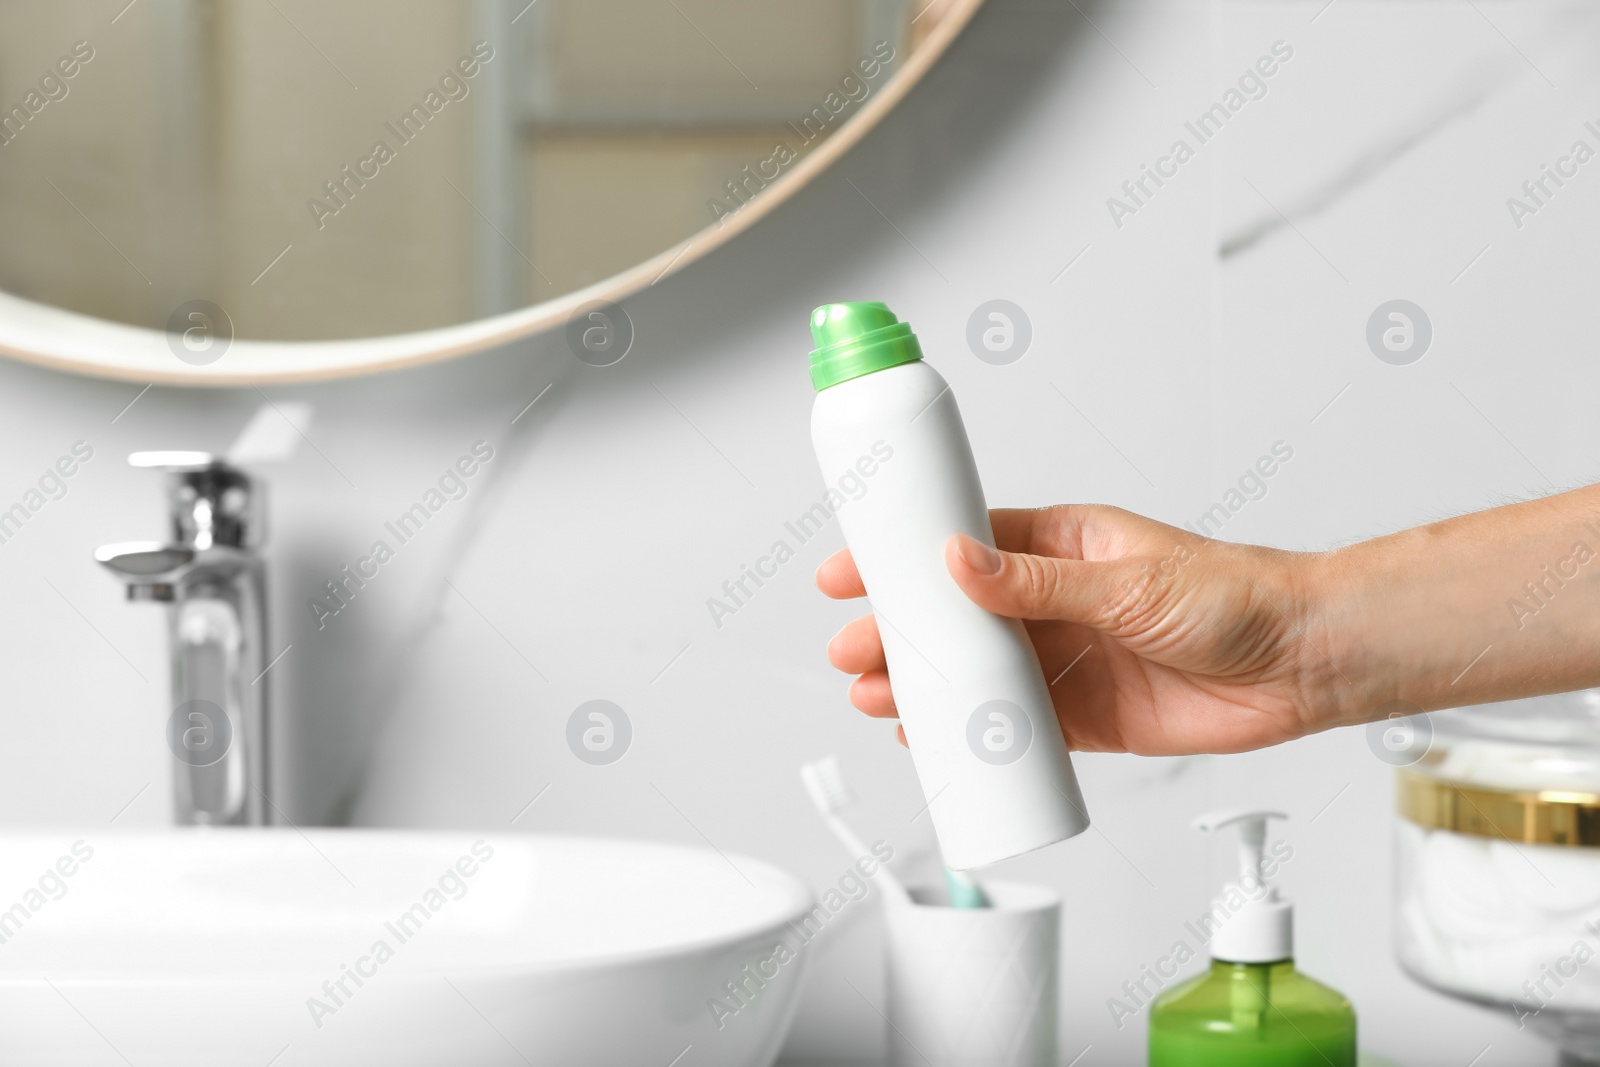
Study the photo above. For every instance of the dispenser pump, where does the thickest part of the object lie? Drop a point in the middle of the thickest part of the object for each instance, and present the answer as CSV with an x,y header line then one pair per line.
x,y
1258,926
1251,1008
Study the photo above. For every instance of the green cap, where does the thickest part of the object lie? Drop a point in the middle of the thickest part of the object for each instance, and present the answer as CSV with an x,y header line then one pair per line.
x,y
856,339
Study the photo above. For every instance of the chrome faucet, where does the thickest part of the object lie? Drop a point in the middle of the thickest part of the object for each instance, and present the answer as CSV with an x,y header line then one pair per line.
x,y
212,581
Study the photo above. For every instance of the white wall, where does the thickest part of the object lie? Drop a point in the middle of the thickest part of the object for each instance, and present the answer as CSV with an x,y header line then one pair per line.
x,y
580,563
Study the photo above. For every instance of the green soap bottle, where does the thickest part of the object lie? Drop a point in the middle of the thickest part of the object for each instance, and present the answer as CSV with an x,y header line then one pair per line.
x,y
1252,1008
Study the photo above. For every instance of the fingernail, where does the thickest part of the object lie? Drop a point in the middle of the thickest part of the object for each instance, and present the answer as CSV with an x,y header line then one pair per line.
x,y
979,556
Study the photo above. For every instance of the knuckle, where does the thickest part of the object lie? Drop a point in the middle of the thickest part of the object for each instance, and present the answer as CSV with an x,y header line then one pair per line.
x,y
1136,596
1040,583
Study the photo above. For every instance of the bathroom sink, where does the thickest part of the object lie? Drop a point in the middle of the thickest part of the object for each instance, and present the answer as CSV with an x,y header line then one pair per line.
x,y
289,948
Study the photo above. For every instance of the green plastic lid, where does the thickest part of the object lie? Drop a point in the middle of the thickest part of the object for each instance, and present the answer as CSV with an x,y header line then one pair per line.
x,y
858,338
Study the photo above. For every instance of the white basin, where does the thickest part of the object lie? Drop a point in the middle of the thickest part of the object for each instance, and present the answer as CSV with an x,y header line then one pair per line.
x,y
230,947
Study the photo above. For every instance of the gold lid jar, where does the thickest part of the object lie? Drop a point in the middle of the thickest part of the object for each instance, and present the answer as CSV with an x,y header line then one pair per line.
x,y
1498,862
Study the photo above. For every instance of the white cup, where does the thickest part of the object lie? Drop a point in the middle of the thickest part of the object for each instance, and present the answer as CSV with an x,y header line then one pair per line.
x,y
974,987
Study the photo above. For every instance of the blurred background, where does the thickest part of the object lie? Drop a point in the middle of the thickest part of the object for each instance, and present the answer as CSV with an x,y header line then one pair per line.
x,y
599,133
1171,345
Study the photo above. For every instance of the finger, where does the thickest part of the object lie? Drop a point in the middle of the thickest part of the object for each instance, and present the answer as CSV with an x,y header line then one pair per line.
x,y
1081,531
858,648
1056,531
1025,586
838,577
1019,529
871,693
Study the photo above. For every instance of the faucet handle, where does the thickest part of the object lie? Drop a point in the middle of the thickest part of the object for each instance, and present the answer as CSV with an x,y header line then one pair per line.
x,y
175,462
212,502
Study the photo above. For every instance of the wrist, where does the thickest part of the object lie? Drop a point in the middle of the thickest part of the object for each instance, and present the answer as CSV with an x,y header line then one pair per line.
x,y
1328,653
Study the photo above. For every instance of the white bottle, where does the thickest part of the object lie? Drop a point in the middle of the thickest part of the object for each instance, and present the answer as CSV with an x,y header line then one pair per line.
x,y
974,704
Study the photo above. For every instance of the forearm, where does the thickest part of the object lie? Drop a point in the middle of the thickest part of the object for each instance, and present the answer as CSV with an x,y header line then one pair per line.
x,y
1490,606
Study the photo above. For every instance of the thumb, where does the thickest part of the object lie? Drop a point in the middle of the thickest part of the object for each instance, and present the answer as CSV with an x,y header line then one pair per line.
x,y
1024,586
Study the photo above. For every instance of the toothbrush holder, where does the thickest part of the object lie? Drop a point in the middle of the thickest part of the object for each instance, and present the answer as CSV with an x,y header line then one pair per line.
x,y
971,986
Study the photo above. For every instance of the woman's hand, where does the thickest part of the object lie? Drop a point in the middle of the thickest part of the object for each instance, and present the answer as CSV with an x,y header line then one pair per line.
x,y
1154,640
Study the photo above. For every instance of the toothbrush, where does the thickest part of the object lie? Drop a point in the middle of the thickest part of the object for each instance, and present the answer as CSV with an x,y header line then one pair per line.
x,y
824,781
965,892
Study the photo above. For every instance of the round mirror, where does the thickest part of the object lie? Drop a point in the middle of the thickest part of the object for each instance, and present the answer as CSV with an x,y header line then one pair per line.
x,y
221,190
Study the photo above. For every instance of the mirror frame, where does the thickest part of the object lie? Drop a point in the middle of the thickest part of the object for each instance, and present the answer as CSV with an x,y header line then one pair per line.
x,y
82,344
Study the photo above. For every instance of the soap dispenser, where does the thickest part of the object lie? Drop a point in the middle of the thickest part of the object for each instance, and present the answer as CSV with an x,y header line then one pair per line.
x,y
1251,1008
